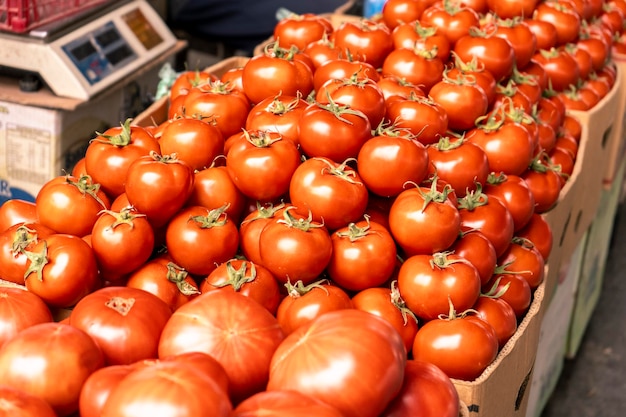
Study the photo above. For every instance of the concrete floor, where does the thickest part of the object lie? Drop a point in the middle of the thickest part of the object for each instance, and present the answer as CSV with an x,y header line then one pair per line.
x,y
594,383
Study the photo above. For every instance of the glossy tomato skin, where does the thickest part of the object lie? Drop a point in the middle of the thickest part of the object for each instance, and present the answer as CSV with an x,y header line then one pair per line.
x,y
367,386
412,35
284,403
421,116
13,242
20,309
474,246
463,101
62,350
167,385
365,38
18,403
333,193
422,68
461,346
538,231
98,387
338,68
516,196
228,326
494,53
427,391
565,20
522,258
452,20
515,288
509,9
500,315
252,225
280,113
301,30
196,142
16,211
213,188
522,39
397,12
70,273
560,66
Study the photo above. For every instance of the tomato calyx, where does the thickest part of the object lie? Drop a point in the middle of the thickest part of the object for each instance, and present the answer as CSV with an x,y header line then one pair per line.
x,y
37,262
508,22
261,138
502,270
342,171
424,32
120,305
398,302
433,195
355,232
441,260
278,107
178,276
126,216
453,314
264,211
516,114
23,238
542,163
486,32
473,199
299,289
470,66
462,78
523,242
300,223
392,130
549,53
214,218
120,140
452,7
523,78
165,159
496,178
494,292
446,143
492,121
426,53
272,50
237,277
86,186
217,87
339,110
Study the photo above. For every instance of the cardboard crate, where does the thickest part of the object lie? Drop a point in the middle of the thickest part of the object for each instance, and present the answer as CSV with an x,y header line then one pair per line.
x,y
553,334
617,141
502,389
43,135
156,113
594,260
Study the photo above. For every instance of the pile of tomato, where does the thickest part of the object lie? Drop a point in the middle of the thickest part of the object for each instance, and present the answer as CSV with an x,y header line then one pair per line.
x,y
339,226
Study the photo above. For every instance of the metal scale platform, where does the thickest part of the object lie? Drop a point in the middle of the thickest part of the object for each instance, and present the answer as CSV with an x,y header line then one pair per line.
x,y
81,55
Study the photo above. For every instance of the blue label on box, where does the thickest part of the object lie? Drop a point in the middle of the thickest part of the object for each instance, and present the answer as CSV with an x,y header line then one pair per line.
x,y
8,193
373,7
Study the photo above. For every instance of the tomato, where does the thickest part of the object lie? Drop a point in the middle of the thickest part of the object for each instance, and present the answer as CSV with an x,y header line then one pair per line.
x,y
428,283
122,241
343,68
461,164
365,38
398,12
514,289
14,241
510,96
261,164
312,360
390,159
420,67
220,103
213,188
524,259
363,255
544,181
194,141
508,9
332,193
284,403
300,30
551,110
358,92
168,281
514,193
187,80
333,130
295,248
198,239
61,269
500,315
579,98
98,387
424,221
493,52
279,114
583,59
18,403
228,326
246,278
413,35
596,47
278,71
451,19
522,39
427,391
560,66
110,153
538,231
530,83
65,356
422,117
305,303
462,99
167,386
475,247
461,345
387,303
20,309
252,225
565,20
16,211
321,51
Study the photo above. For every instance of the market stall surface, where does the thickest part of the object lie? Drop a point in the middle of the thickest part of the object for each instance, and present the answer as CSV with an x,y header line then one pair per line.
x,y
594,383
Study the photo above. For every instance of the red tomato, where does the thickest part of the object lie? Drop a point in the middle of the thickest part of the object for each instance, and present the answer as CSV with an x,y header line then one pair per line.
x,y
422,117
420,67
16,211
544,181
280,114
427,391
332,193
303,304
509,9
187,80
524,259
429,283
284,403
277,71
365,38
474,246
388,304
514,289
398,12
462,345
18,403
333,131
282,243
261,164
493,52
363,255
522,39
98,387
300,30
61,269
252,225
322,51
545,32
500,315
246,278
168,281
390,159
110,153
167,386
194,141
198,239
451,19
412,35
514,193
228,326
538,231
158,186
20,309
14,242
560,66
424,221
122,241
65,356
472,71
213,188
319,351
343,68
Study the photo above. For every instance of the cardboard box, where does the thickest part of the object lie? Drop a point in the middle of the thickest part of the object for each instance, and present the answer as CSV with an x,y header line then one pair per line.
x,y
553,334
617,141
43,135
502,390
594,259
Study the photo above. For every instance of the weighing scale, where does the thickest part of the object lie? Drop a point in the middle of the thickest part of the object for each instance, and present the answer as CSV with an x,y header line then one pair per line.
x,y
82,55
